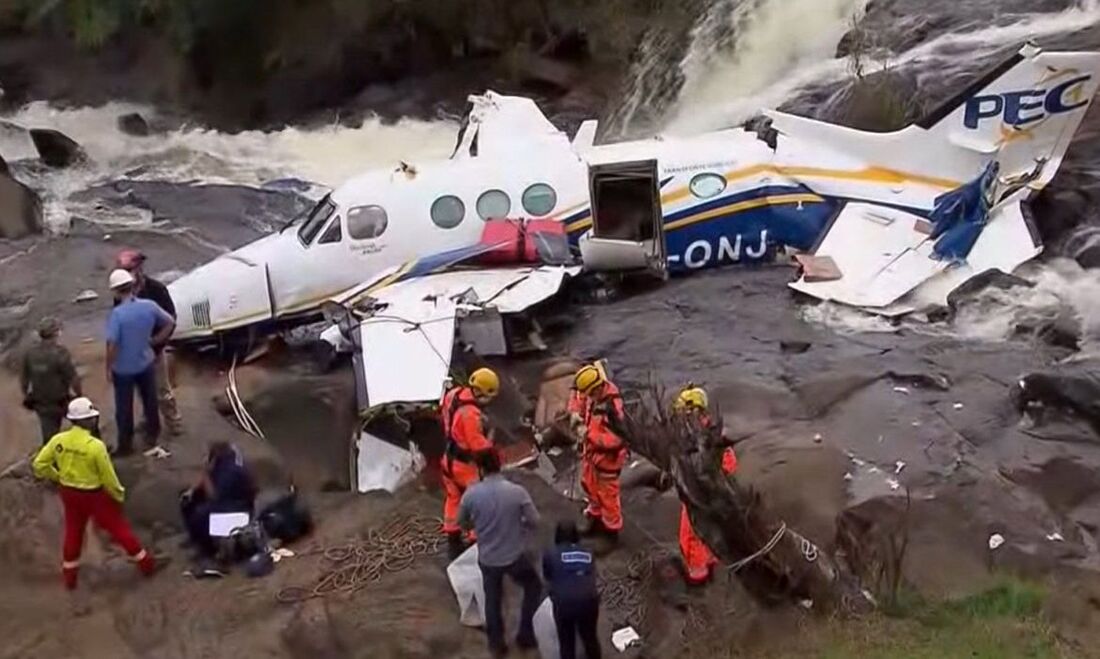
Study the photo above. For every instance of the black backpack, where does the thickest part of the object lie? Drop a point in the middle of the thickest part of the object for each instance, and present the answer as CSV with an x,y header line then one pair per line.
x,y
286,519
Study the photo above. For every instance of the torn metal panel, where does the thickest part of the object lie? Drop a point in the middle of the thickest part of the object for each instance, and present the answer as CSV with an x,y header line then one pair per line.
x,y
879,254
407,344
1006,243
406,359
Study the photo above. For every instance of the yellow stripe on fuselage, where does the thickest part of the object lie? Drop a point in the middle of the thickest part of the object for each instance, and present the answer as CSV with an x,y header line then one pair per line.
x,y
742,206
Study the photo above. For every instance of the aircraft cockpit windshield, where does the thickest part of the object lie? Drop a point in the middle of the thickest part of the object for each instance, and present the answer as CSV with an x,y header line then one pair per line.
x,y
316,220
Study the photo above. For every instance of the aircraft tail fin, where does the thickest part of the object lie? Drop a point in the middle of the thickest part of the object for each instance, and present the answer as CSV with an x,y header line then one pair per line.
x,y
1023,111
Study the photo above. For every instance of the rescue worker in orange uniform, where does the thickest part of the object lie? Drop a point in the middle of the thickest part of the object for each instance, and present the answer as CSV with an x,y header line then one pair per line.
x,y
597,407
699,561
464,427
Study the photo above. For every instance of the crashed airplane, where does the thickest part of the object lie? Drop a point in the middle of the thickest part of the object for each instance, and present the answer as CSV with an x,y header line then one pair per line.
x,y
882,221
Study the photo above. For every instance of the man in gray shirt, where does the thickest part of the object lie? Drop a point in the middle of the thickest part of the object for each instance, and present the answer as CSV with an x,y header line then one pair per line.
x,y
502,514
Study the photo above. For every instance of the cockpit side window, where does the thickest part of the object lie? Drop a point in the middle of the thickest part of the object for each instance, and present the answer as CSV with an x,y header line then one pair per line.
x,y
333,234
317,218
367,222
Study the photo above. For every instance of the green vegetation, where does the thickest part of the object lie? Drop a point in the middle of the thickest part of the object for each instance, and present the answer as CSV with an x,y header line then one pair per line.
x,y
1004,622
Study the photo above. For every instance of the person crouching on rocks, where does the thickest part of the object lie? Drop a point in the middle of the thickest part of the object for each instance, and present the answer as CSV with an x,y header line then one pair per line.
x,y
77,461
226,486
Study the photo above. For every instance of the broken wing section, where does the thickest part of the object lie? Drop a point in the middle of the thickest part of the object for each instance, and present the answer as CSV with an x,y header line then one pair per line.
x,y
880,254
893,262
406,341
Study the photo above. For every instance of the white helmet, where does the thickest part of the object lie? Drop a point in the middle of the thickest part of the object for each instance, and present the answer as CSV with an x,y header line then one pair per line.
x,y
120,278
81,408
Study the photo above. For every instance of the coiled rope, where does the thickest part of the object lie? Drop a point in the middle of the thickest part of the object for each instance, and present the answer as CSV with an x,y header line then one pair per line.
x,y
391,548
625,592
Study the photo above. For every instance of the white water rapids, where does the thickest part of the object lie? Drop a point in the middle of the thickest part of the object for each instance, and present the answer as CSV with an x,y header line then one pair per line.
x,y
743,55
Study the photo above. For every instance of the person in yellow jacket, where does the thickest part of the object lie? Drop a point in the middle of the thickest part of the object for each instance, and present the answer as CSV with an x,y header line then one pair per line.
x,y
77,461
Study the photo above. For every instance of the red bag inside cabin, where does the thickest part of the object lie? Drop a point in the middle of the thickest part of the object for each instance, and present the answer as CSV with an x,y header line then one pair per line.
x,y
524,241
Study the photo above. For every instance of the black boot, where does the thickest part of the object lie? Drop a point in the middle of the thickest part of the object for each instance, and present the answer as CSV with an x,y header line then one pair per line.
x,y
455,545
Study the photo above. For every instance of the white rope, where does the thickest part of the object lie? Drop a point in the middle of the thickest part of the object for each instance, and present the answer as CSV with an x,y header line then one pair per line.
x,y
243,417
763,550
809,551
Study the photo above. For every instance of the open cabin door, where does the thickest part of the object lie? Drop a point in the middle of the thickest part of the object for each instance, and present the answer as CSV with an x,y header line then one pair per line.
x,y
628,230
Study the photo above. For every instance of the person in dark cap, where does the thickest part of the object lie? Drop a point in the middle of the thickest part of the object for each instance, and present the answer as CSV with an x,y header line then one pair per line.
x,y
147,288
570,570
48,378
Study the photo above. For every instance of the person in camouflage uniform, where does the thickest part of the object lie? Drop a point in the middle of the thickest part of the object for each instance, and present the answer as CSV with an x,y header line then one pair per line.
x,y
48,378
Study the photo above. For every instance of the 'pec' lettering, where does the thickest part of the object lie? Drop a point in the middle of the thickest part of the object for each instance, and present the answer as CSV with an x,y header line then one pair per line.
x,y
1028,106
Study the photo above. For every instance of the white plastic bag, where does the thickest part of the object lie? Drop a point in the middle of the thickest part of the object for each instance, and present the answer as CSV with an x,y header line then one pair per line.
x,y
465,577
546,631
383,466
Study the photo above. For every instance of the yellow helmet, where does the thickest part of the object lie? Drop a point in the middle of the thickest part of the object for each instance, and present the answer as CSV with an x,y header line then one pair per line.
x,y
485,382
690,397
588,378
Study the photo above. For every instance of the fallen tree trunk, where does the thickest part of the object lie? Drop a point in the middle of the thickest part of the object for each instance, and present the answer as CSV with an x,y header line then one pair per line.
x,y
773,560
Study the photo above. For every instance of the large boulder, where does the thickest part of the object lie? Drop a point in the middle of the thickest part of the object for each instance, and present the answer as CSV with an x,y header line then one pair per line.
x,y
20,209
133,124
57,149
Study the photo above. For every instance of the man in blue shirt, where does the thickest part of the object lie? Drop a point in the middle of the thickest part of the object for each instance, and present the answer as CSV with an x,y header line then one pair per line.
x,y
503,515
570,570
134,329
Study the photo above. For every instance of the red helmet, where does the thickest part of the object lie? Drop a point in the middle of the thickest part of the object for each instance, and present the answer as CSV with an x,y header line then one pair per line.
x,y
129,259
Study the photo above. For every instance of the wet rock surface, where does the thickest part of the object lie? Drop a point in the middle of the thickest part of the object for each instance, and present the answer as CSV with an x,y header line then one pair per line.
x,y
20,208
57,149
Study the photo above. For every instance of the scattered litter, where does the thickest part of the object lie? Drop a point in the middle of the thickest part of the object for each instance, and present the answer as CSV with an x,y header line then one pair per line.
x,y
555,451
281,553
158,452
106,237
625,638
898,466
817,438
806,604
916,424
848,476
86,296
1056,537
869,597
881,439
635,464
857,462
893,483
873,469
996,540
901,390
958,406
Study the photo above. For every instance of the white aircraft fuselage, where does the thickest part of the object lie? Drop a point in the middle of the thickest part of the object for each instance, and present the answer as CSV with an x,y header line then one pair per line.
x,y
726,196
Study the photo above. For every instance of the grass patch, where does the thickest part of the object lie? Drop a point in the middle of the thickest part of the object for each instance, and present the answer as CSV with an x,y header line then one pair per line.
x,y
1004,622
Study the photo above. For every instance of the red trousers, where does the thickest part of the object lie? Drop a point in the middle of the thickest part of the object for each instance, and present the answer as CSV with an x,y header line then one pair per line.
x,y
457,476
98,506
602,490
698,558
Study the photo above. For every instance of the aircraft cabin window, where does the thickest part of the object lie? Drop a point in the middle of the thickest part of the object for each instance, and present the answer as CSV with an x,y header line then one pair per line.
x,y
316,220
707,185
366,222
494,205
539,199
333,234
448,211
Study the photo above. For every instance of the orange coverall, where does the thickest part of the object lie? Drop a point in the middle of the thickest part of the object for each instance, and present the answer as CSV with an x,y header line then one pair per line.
x,y
463,426
698,558
603,455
